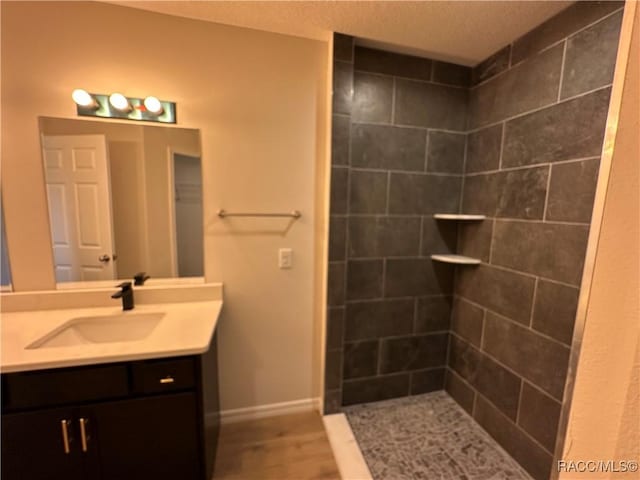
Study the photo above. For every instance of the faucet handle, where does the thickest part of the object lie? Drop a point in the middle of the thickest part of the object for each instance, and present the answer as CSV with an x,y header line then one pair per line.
x,y
140,278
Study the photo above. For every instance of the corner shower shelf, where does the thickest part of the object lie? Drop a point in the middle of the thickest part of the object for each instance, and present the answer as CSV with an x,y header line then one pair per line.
x,y
455,216
457,259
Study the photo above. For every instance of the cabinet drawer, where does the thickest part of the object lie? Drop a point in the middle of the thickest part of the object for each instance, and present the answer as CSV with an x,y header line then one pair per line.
x,y
69,385
163,375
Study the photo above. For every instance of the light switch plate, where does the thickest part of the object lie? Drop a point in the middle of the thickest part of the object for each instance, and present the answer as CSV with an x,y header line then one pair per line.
x,y
285,258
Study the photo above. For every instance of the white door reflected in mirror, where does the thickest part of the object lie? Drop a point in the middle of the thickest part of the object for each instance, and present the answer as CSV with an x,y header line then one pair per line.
x,y
123,198
78,190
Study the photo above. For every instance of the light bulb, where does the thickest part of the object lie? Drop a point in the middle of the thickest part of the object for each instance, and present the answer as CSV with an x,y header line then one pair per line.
x,y
119,102
83,98
153,105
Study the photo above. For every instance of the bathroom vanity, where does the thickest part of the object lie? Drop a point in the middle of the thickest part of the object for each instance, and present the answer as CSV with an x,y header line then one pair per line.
x,y
79,403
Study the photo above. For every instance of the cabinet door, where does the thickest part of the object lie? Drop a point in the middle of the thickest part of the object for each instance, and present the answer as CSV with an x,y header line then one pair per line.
x,y
153,437
34,447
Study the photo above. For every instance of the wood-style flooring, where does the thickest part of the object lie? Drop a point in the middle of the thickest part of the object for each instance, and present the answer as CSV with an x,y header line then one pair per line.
x,y
289,447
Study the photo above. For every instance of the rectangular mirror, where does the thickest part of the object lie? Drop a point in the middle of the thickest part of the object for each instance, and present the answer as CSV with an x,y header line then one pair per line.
x,y
123,199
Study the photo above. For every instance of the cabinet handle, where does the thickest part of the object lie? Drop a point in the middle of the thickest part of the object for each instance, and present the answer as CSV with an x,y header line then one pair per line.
x,y
167,379
64,424
83,433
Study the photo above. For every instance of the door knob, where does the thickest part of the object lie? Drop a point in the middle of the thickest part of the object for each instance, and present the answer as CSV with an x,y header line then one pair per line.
x,y
104,258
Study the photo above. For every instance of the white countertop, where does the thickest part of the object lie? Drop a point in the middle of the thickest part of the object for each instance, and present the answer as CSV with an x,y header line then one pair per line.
x,y
186,329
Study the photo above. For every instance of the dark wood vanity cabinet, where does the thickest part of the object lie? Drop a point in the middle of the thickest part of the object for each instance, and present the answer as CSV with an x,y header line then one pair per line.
x,y
94,429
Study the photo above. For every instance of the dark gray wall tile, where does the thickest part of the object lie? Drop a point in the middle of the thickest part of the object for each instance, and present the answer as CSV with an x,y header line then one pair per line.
x,y
493,65
427,381
343,47
539,415
413,193
364,279
339,184
438,236
379,61
368,192
530,85
379,318
384,236
383,146
486,376
451,74
459,390
372,98
554,310
577,16
512,194
375,389
483,150
474,239
335,284
360,359
492,380
572,190
433,314
569,130
332,401
337,238
413,353
342,87
466,321
335,328
505,292
591,57
554,251
340,134
527,453
333,370
428,105
416,277
536,358
445,152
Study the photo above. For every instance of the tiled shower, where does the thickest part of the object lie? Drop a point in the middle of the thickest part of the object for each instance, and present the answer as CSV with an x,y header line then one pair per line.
x,y
517,139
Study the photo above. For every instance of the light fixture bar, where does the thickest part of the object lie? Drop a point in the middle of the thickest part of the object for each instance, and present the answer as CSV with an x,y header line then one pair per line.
x,y
136,111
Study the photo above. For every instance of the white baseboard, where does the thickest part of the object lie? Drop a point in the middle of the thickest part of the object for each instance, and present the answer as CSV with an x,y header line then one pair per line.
x,y
270,410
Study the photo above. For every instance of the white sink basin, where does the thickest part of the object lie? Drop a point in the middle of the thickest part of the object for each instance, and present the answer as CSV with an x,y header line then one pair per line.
x,y
124,327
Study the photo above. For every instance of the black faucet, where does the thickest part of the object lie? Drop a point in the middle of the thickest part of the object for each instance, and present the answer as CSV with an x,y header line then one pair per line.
x,y
126,293
140,278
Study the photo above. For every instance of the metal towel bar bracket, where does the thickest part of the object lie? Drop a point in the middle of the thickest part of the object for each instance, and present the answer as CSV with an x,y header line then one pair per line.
x,y
293,214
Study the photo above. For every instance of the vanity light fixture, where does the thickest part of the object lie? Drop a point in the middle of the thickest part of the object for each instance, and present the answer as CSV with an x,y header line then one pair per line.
x,y
153,105
84,99
119,102
116,105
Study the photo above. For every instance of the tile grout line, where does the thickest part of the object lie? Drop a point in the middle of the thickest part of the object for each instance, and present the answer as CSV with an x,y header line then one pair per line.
x,y
533,302
506,367
546,195
539,109
408,79
502,136
562,66
532,165
426,151
514,322
518,410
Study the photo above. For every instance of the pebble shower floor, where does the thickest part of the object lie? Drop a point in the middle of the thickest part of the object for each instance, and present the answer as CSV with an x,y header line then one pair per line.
x,y
428,437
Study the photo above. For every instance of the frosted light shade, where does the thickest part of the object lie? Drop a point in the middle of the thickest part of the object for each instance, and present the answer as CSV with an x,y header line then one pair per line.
x,y
119,102
83,98
153,105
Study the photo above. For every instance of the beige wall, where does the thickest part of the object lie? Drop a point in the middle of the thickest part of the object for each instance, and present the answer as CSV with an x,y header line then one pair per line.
x,y
260,102
604,422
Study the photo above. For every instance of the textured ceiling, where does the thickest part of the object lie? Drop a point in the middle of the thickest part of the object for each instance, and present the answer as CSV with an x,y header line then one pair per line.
x,y
463,32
